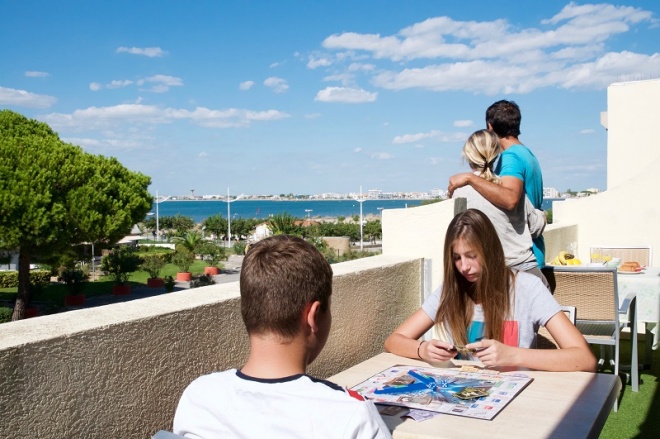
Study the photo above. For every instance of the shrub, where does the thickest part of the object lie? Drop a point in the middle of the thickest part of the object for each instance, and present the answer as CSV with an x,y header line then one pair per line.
x,y
120,263
202,281
183,260
239,248
9,279
74,279
169,283
212,253
5,314
152,264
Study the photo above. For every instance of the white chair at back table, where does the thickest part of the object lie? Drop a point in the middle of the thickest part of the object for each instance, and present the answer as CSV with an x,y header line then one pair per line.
x,y
593,292
641,254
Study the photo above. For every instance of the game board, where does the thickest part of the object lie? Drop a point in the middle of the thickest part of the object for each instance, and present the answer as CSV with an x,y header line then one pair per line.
x,y
477,394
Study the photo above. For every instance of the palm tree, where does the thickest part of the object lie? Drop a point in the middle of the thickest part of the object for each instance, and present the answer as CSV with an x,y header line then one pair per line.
x,y
189,242
284,224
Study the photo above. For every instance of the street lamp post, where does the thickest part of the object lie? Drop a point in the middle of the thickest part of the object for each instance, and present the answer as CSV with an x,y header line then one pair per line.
x,y
158,201
229,216
361,200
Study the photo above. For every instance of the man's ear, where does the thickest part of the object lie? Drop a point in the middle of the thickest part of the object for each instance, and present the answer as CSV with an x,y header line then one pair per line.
x,y
489,127
312,311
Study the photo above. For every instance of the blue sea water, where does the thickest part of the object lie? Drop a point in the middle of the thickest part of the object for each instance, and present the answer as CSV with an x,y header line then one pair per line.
x,y
260,209
200,210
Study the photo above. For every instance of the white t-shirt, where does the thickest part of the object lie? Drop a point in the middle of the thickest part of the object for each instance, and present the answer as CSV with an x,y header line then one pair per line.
x,y
231,404
532,308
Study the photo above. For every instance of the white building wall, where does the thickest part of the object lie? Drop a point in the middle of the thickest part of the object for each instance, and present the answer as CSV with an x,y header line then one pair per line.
x,y
627,213
633,112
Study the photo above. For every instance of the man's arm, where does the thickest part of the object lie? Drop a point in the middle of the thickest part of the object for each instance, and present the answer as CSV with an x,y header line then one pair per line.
x,y
504,195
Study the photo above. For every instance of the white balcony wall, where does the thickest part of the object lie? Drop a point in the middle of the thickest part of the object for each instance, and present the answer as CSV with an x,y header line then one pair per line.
x,y
118,370
419,232
627,213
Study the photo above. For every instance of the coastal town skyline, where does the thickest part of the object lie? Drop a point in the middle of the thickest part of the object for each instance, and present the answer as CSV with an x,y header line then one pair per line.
x,y
371,194
323,97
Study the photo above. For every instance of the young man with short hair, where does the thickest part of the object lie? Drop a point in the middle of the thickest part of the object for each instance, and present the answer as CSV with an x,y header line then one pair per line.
x,y
518,169
285,304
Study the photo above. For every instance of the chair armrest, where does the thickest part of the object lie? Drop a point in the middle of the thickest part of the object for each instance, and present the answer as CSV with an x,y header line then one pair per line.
x,y
629,301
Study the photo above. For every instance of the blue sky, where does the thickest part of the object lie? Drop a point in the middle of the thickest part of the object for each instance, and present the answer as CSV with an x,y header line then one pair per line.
x,y
269,97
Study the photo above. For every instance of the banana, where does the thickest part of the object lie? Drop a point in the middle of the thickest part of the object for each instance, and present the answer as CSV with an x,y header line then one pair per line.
x,y
555,261
564,256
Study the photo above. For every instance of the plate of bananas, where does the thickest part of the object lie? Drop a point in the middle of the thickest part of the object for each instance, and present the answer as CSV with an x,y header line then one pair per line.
x,y
565,258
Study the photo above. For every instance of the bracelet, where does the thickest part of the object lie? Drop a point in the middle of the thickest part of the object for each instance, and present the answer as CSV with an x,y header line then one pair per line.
x,y
419,346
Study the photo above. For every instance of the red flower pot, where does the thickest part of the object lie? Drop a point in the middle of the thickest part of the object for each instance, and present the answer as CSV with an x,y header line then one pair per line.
x,y
120,290
211,271
77,300
32,311
155,282
184,276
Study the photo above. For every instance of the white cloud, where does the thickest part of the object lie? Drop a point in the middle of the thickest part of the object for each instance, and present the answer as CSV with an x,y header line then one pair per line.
x,y
568,50
119,83
463,123
587,131
245,85
315,62
358,149
203,155
101,118
435,135
33,74
161,83
22,98
278,85
345,95
382,156
361,67
151,52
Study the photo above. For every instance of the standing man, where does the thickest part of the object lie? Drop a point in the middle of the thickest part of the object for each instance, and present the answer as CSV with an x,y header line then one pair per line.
x,y
518,169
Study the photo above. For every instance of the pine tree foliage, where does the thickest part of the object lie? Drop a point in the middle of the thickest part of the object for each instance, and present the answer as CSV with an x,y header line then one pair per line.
x,y
54,195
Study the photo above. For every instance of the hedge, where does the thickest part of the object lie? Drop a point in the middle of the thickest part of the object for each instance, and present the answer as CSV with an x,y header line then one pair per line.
x,y
5,314
9,279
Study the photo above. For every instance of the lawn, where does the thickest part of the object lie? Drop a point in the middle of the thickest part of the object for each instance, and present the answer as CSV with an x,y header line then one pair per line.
x,y
51,297
638,415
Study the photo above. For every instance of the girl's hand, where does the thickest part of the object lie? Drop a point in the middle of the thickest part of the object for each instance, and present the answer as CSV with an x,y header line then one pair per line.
x,y
493,353
436,350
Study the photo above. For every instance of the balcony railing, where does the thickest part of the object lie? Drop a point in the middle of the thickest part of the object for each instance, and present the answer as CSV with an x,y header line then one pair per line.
x,y
118,370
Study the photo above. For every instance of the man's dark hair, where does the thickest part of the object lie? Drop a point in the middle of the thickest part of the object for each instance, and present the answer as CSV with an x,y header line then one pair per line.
x,y
280,275
504,117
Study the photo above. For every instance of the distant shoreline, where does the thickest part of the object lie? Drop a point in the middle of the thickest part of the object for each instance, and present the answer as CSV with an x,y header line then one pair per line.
x,y
297,200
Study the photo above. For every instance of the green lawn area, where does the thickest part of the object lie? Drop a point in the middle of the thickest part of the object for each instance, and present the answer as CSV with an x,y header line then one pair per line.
x,y
52,295
638,415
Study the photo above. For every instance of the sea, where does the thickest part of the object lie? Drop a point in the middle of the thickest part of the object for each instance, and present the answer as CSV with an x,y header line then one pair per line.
x,y
261,209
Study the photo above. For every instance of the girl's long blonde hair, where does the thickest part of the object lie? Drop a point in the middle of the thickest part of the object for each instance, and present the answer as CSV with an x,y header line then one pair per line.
x,y
491,290
480,151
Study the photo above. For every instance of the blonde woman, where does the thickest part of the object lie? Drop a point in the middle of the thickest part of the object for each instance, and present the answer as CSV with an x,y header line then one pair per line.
x,y
516,228
485,306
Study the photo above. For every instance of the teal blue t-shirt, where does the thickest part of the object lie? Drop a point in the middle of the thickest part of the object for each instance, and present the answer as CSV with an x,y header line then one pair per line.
x,y
519,162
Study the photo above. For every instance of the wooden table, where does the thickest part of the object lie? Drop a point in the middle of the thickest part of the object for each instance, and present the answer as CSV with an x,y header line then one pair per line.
x,y
555,404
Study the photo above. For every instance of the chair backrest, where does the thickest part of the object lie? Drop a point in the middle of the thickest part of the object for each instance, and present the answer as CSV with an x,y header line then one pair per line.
x,y
641,254
591,290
